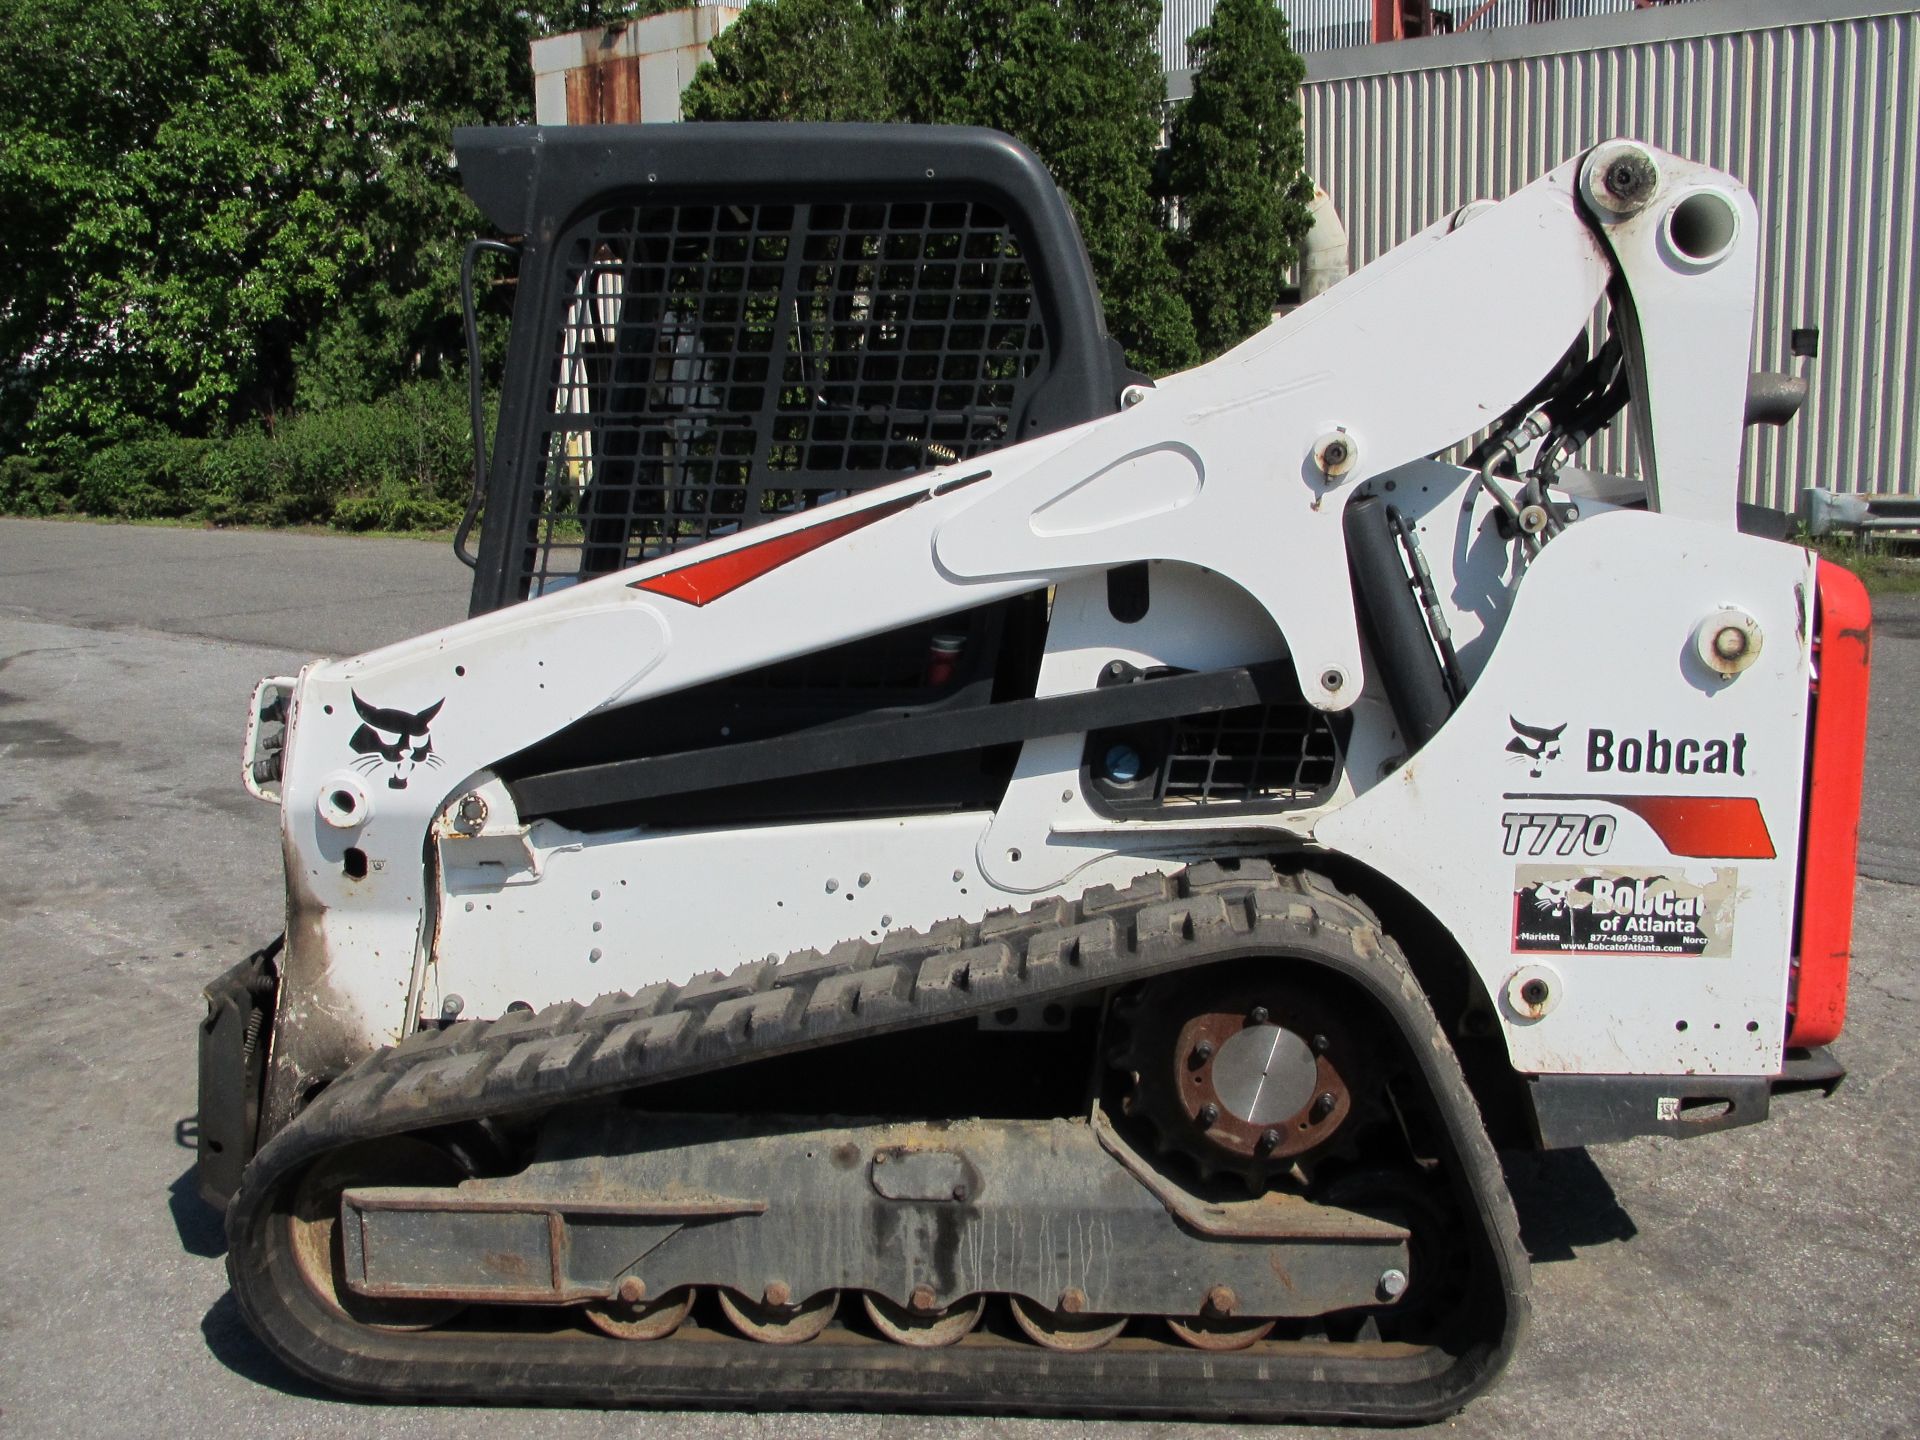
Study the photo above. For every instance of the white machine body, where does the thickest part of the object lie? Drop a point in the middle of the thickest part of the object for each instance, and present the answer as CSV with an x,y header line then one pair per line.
x,y
1553,826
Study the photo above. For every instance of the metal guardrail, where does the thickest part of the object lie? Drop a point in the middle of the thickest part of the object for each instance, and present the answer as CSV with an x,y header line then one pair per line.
x,y
1828,512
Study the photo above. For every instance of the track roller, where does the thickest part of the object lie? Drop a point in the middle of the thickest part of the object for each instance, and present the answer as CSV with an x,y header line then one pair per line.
x,y
641,1319
1061,1330
775,1324
924,1329
1221,1333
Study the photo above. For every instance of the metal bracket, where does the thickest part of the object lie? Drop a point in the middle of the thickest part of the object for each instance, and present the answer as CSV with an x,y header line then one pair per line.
x,y
1273,1216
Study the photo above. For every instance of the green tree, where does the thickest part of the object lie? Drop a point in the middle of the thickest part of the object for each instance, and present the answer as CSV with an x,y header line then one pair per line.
x,y
796,60
438,64
217,210
395,312
1078,82
1238,168
177,215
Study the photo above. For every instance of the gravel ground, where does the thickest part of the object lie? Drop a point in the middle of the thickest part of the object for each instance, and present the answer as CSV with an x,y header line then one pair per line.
x,y
1753,1284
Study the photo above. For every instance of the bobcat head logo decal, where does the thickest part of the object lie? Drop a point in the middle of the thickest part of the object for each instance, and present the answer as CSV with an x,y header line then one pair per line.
x,y
1553,896
393,740
1535,744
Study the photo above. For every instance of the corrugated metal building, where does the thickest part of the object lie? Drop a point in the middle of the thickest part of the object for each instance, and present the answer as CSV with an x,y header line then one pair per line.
x,y
1337,24
1819,116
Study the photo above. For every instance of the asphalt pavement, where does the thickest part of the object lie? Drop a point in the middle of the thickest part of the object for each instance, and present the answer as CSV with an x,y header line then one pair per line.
x,y
1754,1284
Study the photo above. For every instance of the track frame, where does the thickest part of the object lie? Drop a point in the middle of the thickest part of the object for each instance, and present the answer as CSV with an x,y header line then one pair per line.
x,y
1161,924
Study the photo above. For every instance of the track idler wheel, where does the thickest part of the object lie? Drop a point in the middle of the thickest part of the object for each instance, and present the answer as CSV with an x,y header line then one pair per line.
x,y
641,1319
1438,1269
924,1329
314,1224
1064,1330
779,1324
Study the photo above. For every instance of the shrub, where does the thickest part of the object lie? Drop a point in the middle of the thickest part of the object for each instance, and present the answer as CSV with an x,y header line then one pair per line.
x,y
32,486
394,507
157,478
399,463
238,480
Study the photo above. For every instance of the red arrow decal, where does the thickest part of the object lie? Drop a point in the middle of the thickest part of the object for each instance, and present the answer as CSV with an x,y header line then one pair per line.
x,y
1708,827
704,581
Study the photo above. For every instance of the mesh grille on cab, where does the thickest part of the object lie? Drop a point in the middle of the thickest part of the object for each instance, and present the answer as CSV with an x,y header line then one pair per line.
x,y
715,366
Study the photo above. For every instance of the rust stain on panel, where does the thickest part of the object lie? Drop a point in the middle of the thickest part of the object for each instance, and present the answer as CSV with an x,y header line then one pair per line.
x,y
607,93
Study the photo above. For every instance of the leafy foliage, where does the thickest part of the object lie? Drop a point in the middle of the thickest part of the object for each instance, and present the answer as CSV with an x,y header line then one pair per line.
x,y
230,226
220,209
29,487
1078,82
170,170
1238,166
796,60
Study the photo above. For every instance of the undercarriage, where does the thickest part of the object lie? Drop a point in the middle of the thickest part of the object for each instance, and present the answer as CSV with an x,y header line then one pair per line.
x,y
1309,1215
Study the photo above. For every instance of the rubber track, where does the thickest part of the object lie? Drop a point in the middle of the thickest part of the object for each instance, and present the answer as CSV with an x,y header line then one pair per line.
x,y
1056,948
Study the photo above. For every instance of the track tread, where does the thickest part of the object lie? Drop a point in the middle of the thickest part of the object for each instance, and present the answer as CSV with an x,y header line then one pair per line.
x,y
767,1005
1054,948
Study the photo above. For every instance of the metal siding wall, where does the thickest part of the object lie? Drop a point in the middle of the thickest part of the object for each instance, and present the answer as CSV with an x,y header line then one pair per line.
x,y
1178,20
1317,25
1820,120
1320,25
1314,24
1530,12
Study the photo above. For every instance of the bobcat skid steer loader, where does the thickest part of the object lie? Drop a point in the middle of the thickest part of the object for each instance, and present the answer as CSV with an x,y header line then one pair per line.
x,y
942,874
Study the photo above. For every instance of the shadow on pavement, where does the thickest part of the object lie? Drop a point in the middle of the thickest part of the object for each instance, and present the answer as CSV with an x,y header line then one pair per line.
x,y
202,1230
1565,1203
231,1343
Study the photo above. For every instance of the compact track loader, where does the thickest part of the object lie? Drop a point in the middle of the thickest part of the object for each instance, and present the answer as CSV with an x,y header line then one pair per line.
x,y
941,873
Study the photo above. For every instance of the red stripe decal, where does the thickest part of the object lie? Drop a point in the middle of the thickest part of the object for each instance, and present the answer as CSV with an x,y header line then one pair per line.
x,y
705,581
1836,765
1712,827
1701,827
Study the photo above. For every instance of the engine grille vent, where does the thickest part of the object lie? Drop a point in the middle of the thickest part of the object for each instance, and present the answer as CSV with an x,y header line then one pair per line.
x,y
717,366
1286,753
1280,755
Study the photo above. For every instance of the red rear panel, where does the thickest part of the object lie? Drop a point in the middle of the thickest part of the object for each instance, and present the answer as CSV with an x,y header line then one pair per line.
x,y
1837,752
